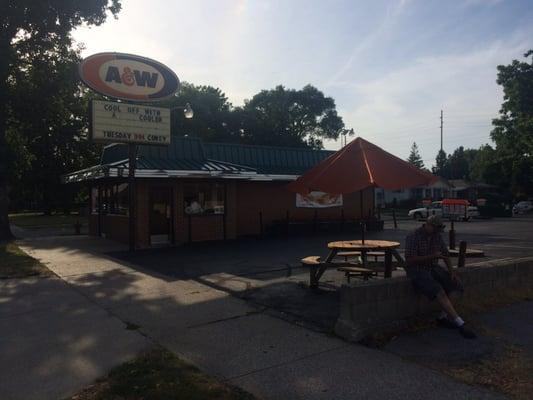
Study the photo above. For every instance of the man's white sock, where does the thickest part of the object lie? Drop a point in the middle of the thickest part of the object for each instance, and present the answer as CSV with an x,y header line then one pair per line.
x,y
442,315
459,322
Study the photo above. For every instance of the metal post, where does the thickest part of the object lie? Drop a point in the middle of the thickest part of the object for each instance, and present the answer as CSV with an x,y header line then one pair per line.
x,y
100,211
452,236
441,123
224,216
462,254
189,227
361,217
132,150
394,218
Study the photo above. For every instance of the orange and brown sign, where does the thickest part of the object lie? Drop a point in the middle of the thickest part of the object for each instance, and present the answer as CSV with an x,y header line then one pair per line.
x,y
318,200
128,77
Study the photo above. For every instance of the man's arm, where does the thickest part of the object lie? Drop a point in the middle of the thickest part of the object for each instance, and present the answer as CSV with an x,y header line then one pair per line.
x,y
446,258
417,260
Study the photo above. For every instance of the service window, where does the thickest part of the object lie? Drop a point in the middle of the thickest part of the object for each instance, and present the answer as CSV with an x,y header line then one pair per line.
x,y
203,198
114,199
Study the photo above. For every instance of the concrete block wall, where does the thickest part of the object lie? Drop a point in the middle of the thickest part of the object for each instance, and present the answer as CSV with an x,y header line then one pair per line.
x,y
377,305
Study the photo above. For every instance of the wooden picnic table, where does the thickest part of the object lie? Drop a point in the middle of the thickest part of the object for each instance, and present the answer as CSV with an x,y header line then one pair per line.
x,y
388,247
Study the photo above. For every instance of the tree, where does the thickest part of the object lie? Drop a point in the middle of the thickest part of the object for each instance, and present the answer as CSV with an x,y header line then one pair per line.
x,y
415,158
513,130
488,167
288,117
279,117
441,164
26,25
458,165
54,131
213,120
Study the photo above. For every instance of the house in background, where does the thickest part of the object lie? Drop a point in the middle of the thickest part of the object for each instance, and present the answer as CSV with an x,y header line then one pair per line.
x,y
438,190
463,189
441,189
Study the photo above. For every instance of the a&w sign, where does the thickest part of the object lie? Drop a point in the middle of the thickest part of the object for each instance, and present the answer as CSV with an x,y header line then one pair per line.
x,y
128,77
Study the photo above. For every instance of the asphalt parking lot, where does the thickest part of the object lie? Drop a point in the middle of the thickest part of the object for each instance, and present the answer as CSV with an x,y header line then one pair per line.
x,y
267,272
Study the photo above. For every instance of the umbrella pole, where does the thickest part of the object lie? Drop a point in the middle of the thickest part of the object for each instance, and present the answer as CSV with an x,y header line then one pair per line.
x,y
362,222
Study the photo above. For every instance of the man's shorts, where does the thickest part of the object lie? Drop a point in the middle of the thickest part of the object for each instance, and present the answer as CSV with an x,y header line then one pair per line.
x,y
430,281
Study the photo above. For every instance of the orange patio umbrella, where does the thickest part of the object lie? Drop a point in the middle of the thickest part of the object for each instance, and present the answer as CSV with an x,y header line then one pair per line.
x,y
358,166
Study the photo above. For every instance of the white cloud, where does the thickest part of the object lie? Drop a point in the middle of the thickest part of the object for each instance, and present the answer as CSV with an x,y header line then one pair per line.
x,y
404,105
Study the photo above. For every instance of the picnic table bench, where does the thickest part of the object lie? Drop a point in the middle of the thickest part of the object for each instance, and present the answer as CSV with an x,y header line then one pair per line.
x,y
353,248
314,263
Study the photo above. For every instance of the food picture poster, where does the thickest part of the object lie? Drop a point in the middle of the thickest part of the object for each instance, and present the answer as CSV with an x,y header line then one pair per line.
x,y
318,200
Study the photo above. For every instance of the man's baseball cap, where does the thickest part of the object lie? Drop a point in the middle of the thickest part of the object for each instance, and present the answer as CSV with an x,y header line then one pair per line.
x,y
436,221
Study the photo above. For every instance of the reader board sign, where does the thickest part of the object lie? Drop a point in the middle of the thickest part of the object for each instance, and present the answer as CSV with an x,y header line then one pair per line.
x,y
129,123
128,77
318,200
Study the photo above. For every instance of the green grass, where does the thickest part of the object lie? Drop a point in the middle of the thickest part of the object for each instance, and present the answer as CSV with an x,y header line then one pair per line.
x,y
14,263
509,372
39,220
159,375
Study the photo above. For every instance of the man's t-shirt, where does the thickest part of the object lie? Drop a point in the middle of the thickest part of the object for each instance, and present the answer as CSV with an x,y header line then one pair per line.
x,y
421,243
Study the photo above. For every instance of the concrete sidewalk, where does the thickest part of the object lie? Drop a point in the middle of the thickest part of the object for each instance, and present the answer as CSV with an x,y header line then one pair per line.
x,y
53,340
221,334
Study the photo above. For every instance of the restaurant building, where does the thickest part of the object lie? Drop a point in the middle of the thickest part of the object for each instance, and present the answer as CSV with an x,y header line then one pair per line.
x,y
193,191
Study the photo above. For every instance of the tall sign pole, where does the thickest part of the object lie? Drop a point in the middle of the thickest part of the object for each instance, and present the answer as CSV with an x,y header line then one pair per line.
x,y
133,79
441,121
132,165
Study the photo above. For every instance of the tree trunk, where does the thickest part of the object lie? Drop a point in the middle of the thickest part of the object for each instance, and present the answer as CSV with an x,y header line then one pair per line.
x,y
5,230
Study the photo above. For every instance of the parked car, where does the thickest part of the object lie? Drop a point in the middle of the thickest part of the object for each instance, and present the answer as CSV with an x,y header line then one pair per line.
x,y
523,207
437,208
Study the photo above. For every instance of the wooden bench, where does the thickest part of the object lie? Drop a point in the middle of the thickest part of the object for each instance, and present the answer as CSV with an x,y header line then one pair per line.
x,y
375,254
314,263
348,254
350,271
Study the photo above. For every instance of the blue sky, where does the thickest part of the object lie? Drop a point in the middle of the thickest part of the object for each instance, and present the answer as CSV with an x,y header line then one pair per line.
x,y
391,66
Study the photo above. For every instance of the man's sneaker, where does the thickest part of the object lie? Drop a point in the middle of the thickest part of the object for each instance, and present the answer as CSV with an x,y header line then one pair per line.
x,y
467,333
446,323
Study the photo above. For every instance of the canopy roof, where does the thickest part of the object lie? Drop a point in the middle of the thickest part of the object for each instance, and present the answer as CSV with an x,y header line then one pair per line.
x,y
357,166
191,157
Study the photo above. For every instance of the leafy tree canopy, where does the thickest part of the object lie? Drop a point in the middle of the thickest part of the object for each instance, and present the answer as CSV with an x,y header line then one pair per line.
x,y
441,165
414,157
513,129
29,29
290,117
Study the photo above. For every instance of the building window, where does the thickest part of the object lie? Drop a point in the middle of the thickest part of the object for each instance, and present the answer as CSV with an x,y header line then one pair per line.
x,y
427,193
417,193
203,198
437,194
114,199
120,199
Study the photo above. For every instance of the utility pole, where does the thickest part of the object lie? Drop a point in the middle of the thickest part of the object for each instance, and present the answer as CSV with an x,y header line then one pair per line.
x,y
440,130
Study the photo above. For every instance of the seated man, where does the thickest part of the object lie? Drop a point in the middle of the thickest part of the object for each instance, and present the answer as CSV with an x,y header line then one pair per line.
x,y
423,249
